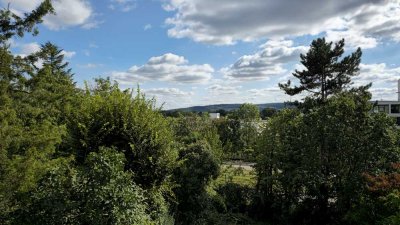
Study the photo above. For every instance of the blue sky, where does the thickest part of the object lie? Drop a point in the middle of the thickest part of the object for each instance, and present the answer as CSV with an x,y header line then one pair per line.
x,y
198,52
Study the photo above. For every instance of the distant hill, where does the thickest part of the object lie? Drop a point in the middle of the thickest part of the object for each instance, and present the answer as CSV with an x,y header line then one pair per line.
x,y
226,107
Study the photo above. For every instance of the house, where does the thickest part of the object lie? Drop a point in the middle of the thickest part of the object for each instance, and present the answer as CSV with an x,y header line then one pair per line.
x,y
214,115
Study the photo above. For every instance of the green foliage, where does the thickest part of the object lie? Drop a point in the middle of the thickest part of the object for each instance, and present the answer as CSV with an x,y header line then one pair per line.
x,y
198,167
382,197
193,128
110,117
268,112
98,192
236,197
51,87
318,184
29,136
246,112
230,136
239,132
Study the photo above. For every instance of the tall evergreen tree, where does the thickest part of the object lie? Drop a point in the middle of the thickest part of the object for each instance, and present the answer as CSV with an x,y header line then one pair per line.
x,y
53,58
51,84
326,71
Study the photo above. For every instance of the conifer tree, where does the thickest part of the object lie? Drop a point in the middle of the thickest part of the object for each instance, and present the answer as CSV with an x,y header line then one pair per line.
x,y
326,71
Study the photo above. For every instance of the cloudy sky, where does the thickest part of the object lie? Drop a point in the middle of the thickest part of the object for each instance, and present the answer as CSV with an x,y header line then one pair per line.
x,y
198,52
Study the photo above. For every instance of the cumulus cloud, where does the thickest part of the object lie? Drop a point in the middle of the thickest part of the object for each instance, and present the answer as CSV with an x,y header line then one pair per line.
x,y
68,12
170,98
384,80
226,22
168,67
378,74
369,25
353,38
267,62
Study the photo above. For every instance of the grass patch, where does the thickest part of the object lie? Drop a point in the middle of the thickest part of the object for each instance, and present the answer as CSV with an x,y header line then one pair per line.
x,y
236,175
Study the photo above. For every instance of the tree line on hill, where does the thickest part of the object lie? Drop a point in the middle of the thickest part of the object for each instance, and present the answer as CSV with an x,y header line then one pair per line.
x,y
102,155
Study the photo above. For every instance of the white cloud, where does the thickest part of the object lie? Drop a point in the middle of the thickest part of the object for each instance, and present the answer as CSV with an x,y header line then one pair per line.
x,y
384,93
92,24
170,97
378,74
68,54
68,12
384,80
91,66
27,49
168,67
267,62
217,89
25,5
172,92
271,94
226,22
122,5
352,38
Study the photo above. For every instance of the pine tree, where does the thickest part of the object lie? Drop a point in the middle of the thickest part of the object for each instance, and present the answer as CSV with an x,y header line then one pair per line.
x,y
12,24
326,71
51,85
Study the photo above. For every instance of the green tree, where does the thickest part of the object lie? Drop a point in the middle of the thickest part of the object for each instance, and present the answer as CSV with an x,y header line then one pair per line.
x,y
28,139
12,24
51,86
193,128
315,191
326,74
248,117
247,112
326,71
198,167
230,135
110,117
268,112
98,192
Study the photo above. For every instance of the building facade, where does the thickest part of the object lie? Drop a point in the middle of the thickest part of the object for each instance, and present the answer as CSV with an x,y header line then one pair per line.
x,y
392,108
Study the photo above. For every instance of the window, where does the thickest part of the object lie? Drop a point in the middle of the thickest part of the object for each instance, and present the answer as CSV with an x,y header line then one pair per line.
x,y
383,108
395,109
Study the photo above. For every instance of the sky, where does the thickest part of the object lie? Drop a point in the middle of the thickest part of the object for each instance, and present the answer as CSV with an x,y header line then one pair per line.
x,y
199,52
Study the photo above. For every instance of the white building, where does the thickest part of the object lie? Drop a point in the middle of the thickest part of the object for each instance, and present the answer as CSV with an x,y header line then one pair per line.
x,y
392,108
214,115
